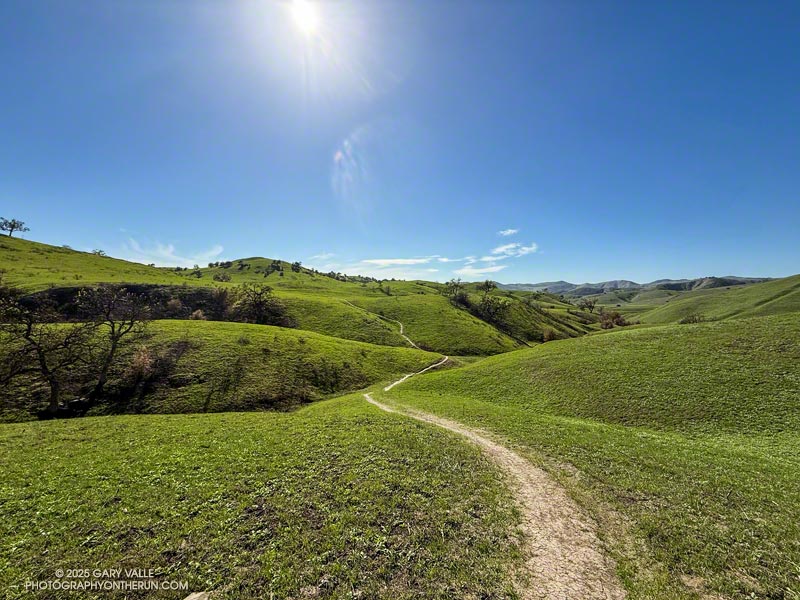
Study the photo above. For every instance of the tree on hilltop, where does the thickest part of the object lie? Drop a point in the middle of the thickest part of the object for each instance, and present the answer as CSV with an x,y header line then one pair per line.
x,y
12,225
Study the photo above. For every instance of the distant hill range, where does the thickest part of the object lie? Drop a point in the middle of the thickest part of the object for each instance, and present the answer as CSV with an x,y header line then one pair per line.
x,y
590,289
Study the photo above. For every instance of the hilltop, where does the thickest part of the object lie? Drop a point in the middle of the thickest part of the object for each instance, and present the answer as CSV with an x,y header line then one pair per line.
x,y
350,307
589,289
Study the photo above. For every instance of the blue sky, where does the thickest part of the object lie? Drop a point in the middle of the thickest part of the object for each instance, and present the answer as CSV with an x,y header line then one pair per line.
x,y
633,140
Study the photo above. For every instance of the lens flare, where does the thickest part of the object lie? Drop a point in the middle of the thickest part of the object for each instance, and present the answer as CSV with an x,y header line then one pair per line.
x,y
306,16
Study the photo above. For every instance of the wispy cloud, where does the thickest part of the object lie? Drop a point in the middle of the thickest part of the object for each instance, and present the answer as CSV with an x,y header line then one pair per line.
x,y
422,267
322,256
494,257
505,249
514,249
470,271
388,262
507,232
165,255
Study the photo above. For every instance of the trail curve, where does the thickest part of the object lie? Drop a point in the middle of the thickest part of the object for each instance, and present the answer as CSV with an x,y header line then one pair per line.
x,y
565,559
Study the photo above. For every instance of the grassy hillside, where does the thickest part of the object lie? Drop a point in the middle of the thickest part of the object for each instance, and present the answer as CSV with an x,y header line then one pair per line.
x,y
204,366
659,306
315,302
768,298
34,266
689,432
338,500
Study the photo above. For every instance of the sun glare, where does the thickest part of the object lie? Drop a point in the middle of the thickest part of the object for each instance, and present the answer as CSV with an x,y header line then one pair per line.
x,y
305,16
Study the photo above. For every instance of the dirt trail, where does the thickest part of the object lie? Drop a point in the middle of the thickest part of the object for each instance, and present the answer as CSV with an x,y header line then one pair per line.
x,y
402,328
564,557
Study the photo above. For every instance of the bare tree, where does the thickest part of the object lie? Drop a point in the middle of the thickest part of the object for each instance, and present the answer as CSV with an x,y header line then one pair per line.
x,y
39,346
121,314
12,225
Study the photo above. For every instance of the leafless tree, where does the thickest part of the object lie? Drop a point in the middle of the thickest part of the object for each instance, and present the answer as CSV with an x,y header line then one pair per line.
x,y
39,346
119,314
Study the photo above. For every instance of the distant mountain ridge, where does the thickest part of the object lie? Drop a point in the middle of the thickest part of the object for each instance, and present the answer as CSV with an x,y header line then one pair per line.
x,y
589,289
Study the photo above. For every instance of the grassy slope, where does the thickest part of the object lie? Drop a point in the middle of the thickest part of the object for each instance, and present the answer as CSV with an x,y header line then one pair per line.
x,y
277,362
34,266
338,500
768,298
316,302
691,432
236,366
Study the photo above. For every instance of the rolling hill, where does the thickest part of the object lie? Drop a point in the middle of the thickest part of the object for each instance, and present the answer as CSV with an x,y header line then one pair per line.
x,y
767,298
206,366
604,287
353,308
689,432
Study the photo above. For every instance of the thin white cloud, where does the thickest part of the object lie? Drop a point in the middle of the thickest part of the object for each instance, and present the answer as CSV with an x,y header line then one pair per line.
x,y
523,250
165,255
507,232
322,256
494,258
505,248
515,249
470,271
388,262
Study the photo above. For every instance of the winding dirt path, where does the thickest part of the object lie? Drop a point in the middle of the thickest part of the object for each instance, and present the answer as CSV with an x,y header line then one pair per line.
x,y
402,328
564,557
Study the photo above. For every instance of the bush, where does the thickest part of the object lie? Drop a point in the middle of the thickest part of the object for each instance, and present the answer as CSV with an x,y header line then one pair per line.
x,y
222,277
175,308
608,320
695,318
198,315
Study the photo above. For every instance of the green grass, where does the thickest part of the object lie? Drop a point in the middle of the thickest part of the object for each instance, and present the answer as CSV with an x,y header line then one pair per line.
x,y
759,299
690,433
338,500
316,302
433,323
237,366
34,266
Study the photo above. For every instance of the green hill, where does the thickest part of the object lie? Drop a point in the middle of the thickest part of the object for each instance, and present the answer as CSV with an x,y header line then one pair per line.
x,y
34,266
204,366
768,298
315,302
690,432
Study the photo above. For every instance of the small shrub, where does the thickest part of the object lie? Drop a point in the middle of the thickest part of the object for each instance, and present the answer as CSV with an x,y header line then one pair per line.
x,y
549,335
222,277
198,315
608,320
175,307
695,318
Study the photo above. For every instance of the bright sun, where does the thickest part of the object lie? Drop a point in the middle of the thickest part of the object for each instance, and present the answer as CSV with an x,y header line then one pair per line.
x,y
305,16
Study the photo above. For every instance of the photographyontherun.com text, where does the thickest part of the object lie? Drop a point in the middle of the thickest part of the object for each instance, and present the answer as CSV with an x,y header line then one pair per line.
x,y
105,580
